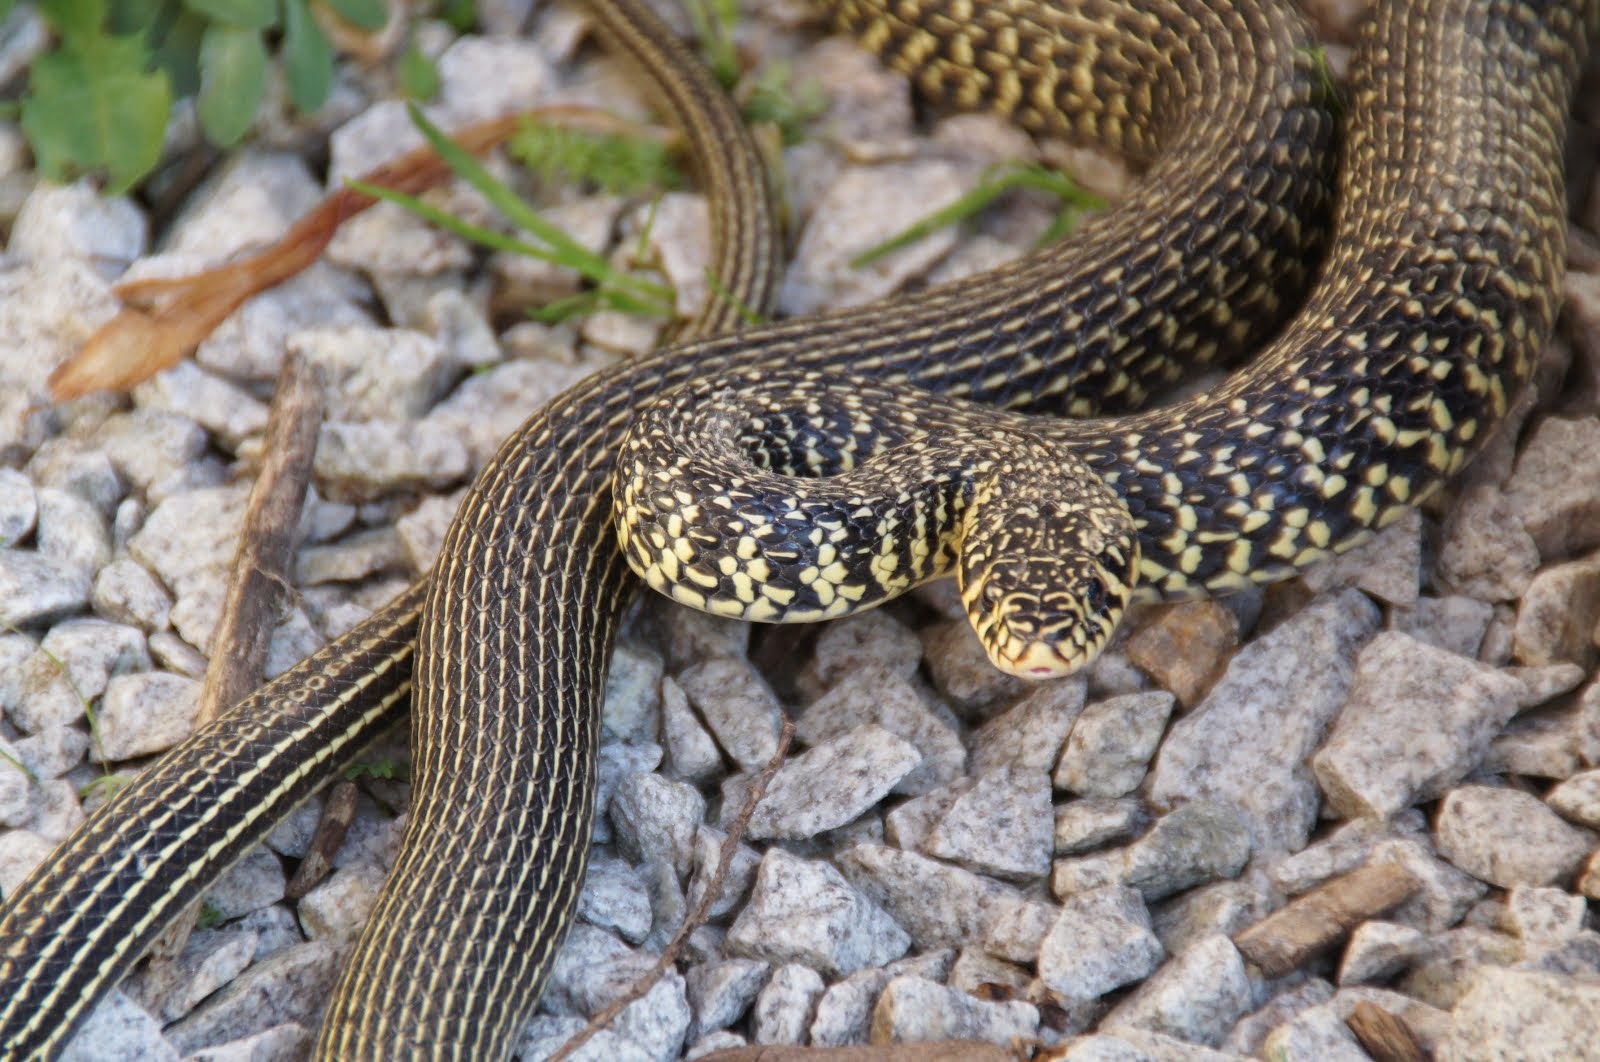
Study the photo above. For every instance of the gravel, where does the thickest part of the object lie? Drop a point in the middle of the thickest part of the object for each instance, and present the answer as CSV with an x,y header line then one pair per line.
x,y
947,851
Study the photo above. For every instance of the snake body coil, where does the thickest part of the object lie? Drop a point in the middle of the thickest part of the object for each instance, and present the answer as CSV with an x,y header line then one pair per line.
x,y
1439,292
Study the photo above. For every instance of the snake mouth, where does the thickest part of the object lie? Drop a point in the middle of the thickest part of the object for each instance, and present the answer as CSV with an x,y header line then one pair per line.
x,y
1033,660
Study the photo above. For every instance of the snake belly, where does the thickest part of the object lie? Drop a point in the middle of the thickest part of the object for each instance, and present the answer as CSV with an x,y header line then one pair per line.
x,y
524,604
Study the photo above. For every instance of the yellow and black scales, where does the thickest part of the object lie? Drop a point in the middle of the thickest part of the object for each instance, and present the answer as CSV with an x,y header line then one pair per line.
x,y
1438,292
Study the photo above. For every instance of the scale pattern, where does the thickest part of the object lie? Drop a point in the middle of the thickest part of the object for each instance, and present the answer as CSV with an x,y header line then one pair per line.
x,y
1221,106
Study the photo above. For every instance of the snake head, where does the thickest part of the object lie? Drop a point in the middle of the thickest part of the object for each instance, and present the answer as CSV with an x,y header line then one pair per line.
x,y
1045,585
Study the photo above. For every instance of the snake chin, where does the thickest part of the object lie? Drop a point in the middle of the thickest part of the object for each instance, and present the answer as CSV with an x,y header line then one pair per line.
x,y
1048,634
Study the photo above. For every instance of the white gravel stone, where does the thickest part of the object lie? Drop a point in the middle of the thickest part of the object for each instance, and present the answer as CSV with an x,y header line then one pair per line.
x,y
784,1007
281,1043
223,408
152,449
1524,1014
364,460
376,373
119,1030
938,904
720,992
1197,843
1554,495
72,666
861,643
19,507
1314,1035
741,872
126,592
255,881
864,207
1544,918
1578,799
844,1013
916,1010
1446,893
1453,623
1557,614
188,541
1003,825
618,762
72,533
1484,551
171,988
831,784
337,908
1136,1045
79,467
1101,941
487,407
1197,996
1112,743
656,819
805,911
146,713
19,797
882,696
1082,825
1029,733
595,969
20,852
615,897
691,752
1507,837
78,221
738,707
1378,951
631,709
961,670
35,298
35,589
52,752
1247,742
1417,721
290,986
545,1035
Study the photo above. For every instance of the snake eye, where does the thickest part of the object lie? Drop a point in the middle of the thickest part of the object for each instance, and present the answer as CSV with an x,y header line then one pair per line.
x,y
1094,595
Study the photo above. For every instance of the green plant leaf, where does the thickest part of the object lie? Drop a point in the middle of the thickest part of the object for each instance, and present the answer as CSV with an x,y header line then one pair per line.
x,y
76,21
307,58
239,14
233,79
419,76
177,51
100,109
362,14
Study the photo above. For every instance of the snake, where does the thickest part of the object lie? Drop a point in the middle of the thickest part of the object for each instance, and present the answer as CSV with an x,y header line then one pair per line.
x,y
1446,233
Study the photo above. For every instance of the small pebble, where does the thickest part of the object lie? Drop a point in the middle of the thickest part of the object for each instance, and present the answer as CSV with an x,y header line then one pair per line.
x,y
938,904
145,713
1002,826
1101,941
1507,837
1418,720
805,911
1197,996
916,1010
881,696
1083,825
721,992
738,707
1247,743
1112,743
832,784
